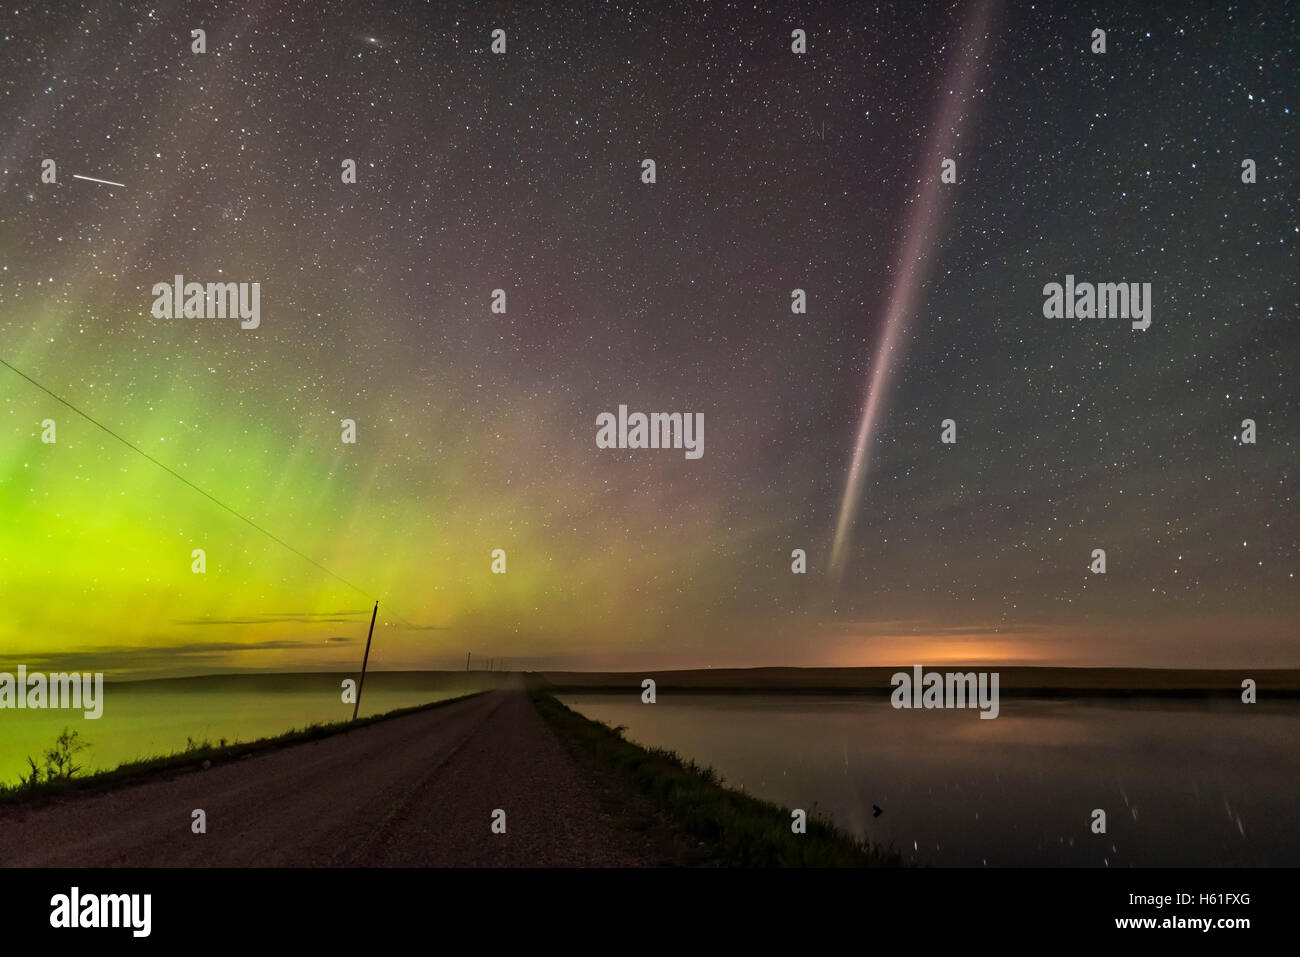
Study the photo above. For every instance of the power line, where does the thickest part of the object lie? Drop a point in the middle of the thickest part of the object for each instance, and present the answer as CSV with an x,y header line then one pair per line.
x,y
212,498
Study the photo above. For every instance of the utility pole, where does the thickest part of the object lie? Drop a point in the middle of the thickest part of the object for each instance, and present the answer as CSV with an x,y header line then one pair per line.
x,y
467,654
357,704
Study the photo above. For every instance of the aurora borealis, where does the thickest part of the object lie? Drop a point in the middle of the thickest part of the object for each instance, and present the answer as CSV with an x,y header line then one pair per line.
x,y
477,431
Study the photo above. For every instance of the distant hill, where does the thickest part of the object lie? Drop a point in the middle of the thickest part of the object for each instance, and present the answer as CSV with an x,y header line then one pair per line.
x,y
1013,680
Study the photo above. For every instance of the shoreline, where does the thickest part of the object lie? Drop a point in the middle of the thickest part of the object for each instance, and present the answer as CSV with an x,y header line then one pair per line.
x,y
660,792
200,758
1016,680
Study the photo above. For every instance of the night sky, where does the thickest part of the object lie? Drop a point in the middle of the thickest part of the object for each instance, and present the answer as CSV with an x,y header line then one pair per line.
x,y
522,171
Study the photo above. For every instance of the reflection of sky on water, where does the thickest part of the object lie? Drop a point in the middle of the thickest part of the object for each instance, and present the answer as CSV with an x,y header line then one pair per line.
x,y
153,718
1182,782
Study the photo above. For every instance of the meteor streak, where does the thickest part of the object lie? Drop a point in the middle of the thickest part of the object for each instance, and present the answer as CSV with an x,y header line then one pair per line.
x,y
93,180
922,233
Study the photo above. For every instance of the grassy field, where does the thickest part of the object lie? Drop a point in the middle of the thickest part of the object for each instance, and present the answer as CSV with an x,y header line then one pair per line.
x,y
723,827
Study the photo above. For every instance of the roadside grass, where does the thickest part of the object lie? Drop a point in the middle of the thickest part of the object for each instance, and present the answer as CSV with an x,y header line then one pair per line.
x,y
40,785
735,830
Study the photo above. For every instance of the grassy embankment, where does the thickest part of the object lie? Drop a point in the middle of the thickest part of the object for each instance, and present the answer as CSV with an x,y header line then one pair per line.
x,y
726,828
193,758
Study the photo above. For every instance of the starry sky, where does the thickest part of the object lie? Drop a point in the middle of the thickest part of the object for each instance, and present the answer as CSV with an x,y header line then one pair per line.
x,y
476,431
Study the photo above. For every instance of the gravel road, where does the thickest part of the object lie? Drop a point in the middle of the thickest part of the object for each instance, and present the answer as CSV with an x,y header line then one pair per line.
x,y
415,791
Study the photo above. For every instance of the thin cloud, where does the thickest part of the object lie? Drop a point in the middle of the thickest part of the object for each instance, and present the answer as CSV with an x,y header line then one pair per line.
x,y
189,655
300,617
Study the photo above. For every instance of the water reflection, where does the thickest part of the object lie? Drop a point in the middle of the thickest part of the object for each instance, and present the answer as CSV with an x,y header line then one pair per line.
x,y
1183,783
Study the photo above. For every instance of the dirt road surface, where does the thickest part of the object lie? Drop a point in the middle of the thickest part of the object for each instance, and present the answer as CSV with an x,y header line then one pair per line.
x,y
415,791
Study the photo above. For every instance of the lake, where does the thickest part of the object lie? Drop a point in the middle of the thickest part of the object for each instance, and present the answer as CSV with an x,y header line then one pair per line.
x,y
149,718
1182,782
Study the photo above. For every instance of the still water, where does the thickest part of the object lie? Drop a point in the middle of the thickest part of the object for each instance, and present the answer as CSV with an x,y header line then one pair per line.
x,y
150,718
1182,783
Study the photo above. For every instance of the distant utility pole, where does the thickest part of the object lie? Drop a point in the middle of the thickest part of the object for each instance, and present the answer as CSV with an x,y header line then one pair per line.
x,y
467,654
357,704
